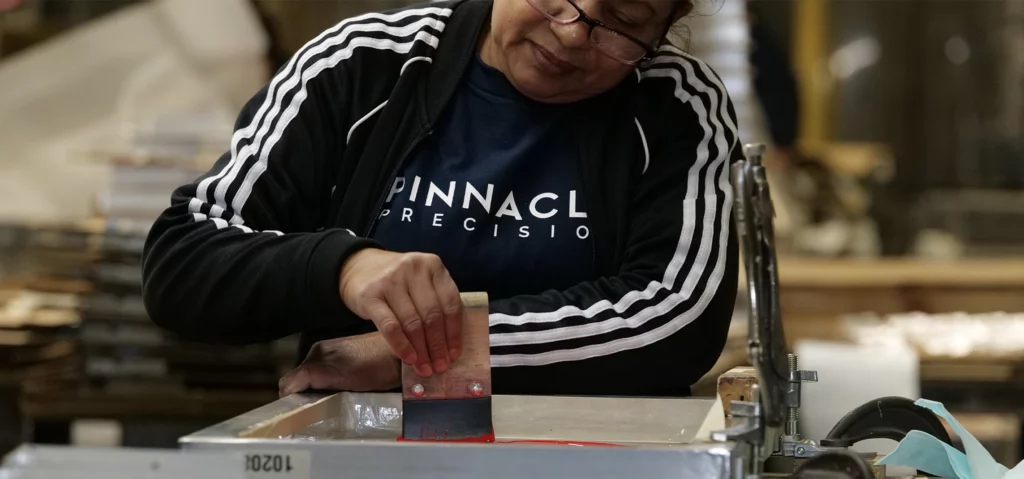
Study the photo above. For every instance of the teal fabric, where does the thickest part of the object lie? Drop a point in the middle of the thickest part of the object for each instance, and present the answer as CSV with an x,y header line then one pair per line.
x,y
926,453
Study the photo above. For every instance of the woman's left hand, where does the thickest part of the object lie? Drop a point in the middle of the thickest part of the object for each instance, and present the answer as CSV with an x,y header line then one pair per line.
x,y
357,363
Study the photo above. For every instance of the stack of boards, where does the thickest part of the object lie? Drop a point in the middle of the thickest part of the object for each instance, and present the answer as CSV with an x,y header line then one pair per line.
x,y
75,296
74,290
123,351
39,303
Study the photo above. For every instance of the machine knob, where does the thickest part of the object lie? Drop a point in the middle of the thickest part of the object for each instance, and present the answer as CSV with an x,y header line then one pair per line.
x,y
751,150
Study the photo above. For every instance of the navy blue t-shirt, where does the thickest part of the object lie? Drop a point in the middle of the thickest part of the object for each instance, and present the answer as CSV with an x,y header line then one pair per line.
x,y
495,192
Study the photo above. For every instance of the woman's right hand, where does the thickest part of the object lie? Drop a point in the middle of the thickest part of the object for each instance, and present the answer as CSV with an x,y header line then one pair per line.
x,y
413,301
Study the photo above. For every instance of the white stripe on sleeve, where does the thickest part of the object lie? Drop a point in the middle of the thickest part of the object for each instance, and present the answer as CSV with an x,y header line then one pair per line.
x,y
347,34
292,111
287,77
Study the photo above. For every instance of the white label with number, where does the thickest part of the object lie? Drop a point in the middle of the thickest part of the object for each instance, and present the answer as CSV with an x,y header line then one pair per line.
x,y
279,464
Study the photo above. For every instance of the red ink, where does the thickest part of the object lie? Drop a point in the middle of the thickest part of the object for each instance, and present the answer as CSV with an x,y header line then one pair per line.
x,y
486,438
489,438
551,442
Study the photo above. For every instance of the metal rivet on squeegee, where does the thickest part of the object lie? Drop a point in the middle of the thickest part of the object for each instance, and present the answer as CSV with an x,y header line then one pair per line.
x,y
476,389
417,390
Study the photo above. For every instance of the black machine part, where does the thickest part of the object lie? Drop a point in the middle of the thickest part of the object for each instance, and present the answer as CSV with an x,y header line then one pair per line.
x,y
840,464
766,343
885,418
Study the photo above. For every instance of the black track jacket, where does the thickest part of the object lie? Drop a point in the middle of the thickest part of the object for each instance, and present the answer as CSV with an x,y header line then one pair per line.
x,y
251,251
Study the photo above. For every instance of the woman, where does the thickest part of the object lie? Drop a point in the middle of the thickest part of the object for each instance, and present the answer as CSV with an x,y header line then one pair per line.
x,y
548,152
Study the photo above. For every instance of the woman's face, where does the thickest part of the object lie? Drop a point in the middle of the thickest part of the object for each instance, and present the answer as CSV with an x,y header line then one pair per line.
x,y
555,63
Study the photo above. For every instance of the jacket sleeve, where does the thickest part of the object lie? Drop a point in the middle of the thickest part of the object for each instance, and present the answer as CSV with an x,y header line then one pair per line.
x,y
678,279
240,256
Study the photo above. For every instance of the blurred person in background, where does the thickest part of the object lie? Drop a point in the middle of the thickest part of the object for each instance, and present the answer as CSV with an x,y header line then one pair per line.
x,y
755,68
776,88
560,155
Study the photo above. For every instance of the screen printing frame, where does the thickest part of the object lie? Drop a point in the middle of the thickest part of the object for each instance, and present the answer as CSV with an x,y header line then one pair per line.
x,y
653,437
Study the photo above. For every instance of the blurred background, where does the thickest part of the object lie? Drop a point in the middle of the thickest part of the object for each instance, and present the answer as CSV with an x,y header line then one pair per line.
x,y
896,133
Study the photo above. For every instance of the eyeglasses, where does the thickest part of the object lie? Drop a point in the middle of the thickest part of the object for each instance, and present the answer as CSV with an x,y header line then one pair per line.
x,y
614,43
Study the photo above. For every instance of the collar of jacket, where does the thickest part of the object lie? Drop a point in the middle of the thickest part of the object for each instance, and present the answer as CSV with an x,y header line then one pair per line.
x,y
458,45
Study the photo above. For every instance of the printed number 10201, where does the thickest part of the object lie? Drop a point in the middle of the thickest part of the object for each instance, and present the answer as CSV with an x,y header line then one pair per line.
x,y
272,463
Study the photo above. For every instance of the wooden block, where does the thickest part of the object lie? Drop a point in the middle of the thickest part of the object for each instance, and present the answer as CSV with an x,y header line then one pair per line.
x,y
736,385
876,470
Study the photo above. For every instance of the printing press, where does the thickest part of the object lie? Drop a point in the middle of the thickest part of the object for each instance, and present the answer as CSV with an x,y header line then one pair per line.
x,y
356,435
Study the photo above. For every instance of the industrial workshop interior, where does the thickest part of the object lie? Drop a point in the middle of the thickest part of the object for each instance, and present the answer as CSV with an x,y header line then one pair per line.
x,y
592,239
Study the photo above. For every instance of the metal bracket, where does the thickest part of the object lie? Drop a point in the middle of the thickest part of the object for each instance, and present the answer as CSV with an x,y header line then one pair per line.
x,y
766,344
796,378
748,428
775,409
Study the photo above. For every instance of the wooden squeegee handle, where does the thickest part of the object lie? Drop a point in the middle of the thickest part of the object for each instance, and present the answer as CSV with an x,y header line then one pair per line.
x,y
470,375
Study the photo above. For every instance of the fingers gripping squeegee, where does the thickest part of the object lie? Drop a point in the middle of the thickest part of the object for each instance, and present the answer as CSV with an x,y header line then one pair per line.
x,y
455,405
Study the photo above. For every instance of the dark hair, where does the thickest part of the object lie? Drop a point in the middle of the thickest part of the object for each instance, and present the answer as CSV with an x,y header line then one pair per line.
x,y
678,33
683,7
675,30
